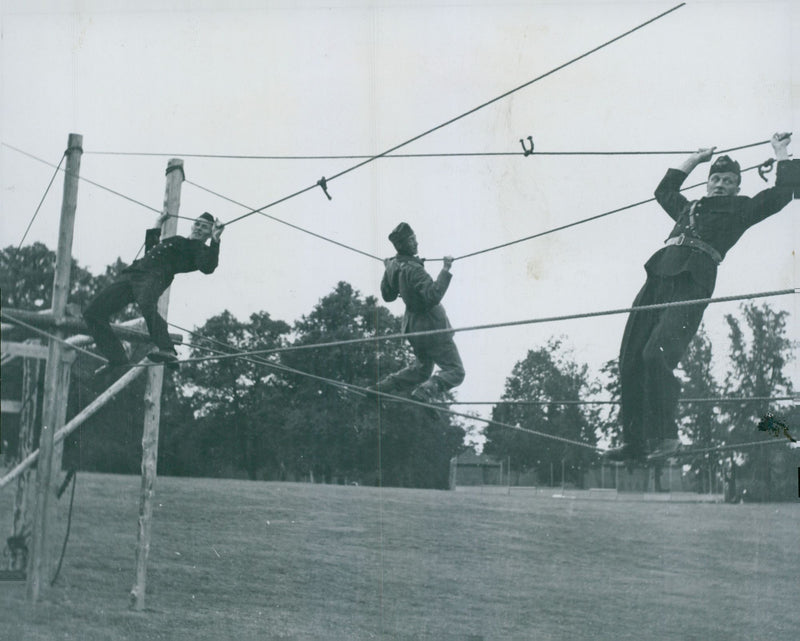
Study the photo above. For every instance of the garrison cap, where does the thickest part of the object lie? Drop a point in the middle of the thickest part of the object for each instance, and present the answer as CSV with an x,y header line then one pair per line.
x,y
400,233
724,164
206,216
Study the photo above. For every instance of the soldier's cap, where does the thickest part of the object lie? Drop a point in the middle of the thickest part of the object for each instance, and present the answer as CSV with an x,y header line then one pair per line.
x,y
206,216
400,233
724,164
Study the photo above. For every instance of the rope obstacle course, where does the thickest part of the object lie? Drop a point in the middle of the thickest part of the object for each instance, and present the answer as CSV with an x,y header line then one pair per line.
x,y
156,374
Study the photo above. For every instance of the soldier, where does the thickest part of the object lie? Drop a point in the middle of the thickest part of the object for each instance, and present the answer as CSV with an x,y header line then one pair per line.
x,y
405,276
144,281
654,341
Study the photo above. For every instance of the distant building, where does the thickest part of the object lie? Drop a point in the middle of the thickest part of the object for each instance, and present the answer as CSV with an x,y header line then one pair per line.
x,y
471,468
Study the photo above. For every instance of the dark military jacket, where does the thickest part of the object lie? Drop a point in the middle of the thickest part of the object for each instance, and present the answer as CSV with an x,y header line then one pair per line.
x,y
174,255
718,221
406,276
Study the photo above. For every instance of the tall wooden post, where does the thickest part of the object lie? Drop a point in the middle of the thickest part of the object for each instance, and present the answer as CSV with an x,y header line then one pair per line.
x,y
56,382
152,404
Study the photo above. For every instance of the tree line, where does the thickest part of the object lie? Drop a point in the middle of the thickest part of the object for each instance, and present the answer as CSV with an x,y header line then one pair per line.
x,y
258,418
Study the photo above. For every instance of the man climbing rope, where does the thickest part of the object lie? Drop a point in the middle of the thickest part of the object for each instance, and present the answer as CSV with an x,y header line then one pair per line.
x,y
144,281
654,341
405,276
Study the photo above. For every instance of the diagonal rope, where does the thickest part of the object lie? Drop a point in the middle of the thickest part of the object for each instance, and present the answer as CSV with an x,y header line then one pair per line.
x,y
283,222
91,182
39,206
483,251
463,115
710,400
363,391
469,154
683,453
577,222
529,321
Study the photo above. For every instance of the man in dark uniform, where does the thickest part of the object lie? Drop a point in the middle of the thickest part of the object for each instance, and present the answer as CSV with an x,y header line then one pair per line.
x,y
145,280
405,276
655,341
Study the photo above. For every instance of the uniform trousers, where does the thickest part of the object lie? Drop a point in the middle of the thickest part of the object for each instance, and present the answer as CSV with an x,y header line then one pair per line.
x,y
653,343
144,290
437,349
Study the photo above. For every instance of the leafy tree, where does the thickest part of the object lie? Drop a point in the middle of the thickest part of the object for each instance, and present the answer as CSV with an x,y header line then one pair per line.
x,y
229,431
545,375
323,418
26,278
340,435
759,353
609,416
701,422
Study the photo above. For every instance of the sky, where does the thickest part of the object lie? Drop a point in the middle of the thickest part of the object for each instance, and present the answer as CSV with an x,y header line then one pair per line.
x,y
179,79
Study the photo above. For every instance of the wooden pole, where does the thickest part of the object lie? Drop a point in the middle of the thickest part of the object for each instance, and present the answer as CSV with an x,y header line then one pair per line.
x,y
152,404
56,383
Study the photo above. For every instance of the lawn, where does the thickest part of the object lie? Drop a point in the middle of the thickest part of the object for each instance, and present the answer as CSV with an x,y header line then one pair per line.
x,y
249,560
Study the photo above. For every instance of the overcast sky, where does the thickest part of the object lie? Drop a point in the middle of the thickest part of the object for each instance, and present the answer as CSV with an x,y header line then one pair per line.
x,y
328,78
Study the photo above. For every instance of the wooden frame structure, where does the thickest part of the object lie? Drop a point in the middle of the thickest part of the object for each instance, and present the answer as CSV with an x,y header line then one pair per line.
x,y
58,357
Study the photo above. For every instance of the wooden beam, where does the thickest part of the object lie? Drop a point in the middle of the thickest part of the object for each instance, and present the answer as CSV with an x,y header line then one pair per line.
x,y
48,321
7,406
28,350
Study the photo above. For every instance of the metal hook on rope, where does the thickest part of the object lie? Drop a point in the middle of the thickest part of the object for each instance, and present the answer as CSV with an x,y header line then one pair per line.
x,y
765,167
525,150
324,184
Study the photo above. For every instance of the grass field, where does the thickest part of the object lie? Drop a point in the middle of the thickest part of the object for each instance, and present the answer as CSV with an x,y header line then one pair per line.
x,y
248,560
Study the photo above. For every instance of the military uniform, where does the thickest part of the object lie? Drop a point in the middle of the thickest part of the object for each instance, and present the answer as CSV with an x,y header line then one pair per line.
x,y
143,283
686,268
405,276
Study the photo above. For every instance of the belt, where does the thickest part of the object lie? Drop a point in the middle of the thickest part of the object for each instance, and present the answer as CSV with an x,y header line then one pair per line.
x,y
695,243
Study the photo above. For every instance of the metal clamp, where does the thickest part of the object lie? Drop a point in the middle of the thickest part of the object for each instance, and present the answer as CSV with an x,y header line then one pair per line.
x,y
324,184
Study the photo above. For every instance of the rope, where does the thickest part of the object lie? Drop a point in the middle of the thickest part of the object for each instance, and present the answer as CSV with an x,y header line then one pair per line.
x,y
140,250
714,400
91,182
514,242
530,321
46,191
472,154
283,222
681,453
582,221
463,115
363,391
72,473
